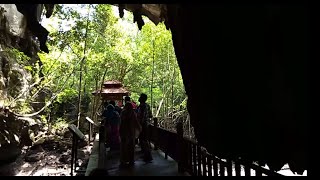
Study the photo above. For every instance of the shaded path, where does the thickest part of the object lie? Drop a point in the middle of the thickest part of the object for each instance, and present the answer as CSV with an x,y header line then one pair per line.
x,y
159,166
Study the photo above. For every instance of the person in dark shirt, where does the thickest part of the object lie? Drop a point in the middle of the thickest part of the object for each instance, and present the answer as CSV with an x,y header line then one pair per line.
x,y
144,114
112,124
116,107
128,99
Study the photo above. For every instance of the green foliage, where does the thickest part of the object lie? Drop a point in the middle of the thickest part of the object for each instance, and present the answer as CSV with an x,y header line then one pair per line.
x,y
67,95
43,118
20,57
23,107
29,68
139,59
60,123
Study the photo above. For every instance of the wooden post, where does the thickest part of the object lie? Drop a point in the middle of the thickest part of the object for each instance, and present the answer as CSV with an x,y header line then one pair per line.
x,y
76,154
155,135
247,170
221,169
229,167
189,156
215,166
199,153
76,135
237,168
204,164
167,147
181,151
91,128
194,158
90,133
258,171
72,152
209,162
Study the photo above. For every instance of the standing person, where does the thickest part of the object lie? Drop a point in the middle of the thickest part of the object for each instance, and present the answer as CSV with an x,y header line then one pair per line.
x,y
112,124
102,110
144,115
116,107
128,99
128,127
134,104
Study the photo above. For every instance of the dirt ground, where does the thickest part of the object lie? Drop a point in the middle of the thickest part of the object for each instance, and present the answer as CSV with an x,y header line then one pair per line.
x,y
52,163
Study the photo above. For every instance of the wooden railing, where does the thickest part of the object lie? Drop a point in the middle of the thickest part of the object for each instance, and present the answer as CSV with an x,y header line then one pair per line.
x,y
92,127
77,136
195,160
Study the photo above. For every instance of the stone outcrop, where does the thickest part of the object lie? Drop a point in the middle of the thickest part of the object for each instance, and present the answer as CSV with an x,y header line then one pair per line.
x,y
15,43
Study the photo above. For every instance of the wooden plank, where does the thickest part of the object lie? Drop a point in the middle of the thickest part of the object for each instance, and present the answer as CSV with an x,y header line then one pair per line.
x,y
76,131
90,121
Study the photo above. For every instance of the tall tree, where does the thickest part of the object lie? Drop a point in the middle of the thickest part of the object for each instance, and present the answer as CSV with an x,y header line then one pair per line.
x,y
85,47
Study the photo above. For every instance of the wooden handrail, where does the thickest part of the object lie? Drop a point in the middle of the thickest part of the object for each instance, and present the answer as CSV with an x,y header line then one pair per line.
x,y
90,127
76,136
91,122
191,157
196,160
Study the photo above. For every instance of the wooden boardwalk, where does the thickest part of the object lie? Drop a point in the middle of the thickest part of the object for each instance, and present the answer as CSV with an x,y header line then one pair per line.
x,y
159,166
194,159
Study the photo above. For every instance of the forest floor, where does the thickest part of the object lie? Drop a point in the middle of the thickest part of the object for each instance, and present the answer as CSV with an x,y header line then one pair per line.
x,y
50,159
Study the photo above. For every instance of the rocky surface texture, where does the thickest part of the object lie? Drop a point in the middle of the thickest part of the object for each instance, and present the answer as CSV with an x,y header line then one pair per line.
x,y
18,49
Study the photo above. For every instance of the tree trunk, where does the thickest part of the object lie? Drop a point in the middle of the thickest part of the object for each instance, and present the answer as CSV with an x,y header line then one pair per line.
x,y
151,96
81,67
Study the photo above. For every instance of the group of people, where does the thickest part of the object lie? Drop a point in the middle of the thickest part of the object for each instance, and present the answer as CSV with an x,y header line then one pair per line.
x,y
126,126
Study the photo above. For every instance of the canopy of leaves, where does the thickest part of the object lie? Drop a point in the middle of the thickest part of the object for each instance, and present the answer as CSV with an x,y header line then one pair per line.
x,y
93,40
